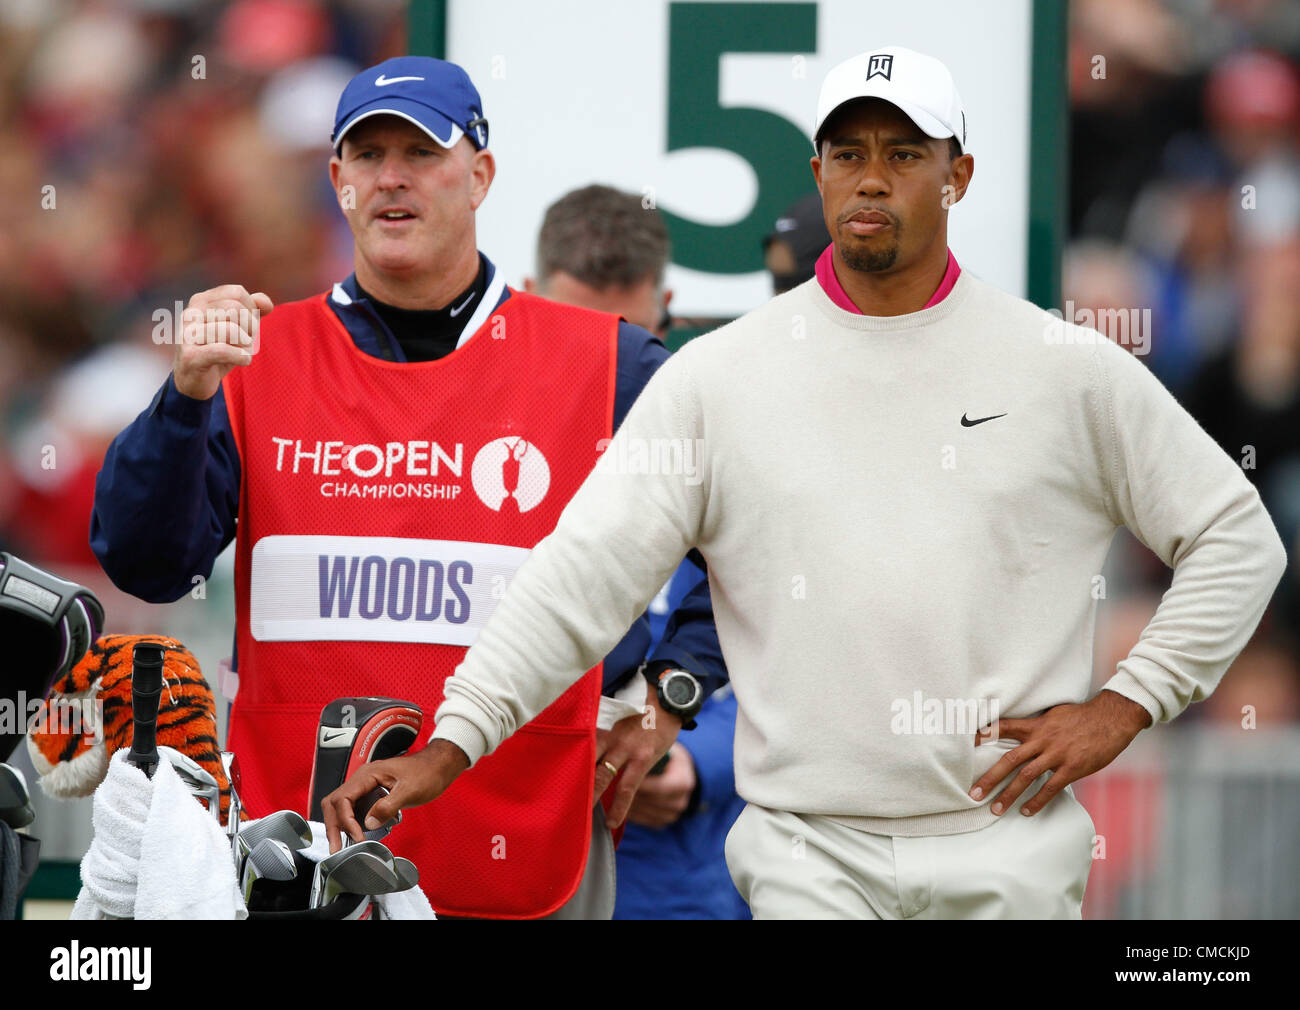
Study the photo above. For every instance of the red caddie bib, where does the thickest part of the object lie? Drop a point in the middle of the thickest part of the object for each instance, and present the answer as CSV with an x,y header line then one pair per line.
x,y
384,508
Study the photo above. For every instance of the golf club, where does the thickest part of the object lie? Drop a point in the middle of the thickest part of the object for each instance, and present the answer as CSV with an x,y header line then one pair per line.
x,y
198,780
362,808
408,874
358,873
269,859
146,690
287,826
326,867
230,765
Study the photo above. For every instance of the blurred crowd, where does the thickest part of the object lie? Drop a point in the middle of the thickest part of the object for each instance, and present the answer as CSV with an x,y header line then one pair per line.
x,y
1185,199
148,149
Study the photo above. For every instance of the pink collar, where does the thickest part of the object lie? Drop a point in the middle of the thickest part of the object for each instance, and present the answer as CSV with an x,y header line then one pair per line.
x,y
831,284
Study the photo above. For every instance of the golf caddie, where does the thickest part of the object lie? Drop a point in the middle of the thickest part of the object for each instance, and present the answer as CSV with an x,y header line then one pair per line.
x,y
385,455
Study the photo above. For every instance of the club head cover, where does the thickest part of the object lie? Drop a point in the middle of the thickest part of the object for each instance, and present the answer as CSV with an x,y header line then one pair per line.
x,y
15,799
353,732
49,624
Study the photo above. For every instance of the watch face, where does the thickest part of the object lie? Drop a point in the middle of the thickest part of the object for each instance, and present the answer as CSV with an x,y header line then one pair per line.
x,y
680,691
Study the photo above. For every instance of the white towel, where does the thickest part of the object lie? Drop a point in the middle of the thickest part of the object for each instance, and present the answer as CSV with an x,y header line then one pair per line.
x,y
408,904
157,852
627,700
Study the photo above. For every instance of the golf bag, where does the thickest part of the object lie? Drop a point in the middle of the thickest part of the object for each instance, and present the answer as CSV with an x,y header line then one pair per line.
x,y
48,624
352,732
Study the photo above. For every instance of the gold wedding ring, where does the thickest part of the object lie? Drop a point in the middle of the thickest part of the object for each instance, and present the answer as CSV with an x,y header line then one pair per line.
x,y
612,769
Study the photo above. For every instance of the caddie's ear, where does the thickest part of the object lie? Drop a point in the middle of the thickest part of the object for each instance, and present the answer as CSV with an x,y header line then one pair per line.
x,y
336,164
483,169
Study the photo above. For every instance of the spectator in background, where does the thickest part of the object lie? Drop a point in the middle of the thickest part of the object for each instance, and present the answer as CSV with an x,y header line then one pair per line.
x,y
1128,96
1182,227
1248,397
602,249
1252,101
791,249
1106,280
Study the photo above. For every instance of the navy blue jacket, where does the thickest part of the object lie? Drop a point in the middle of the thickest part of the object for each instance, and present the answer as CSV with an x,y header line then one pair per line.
x,y
167,496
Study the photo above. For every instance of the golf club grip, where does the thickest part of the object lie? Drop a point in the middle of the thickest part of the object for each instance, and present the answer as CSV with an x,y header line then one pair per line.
x,y
146,690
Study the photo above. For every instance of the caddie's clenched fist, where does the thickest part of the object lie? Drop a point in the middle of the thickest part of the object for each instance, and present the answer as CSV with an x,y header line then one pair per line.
x,y
219,330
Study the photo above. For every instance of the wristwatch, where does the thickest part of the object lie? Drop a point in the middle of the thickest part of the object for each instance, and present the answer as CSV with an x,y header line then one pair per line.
x,y
679,692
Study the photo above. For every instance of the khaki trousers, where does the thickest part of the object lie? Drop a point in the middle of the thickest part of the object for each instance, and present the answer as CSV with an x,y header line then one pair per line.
x,y
804,866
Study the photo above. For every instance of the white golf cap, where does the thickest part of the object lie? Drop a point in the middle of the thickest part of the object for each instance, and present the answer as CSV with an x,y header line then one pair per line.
x,y
918,84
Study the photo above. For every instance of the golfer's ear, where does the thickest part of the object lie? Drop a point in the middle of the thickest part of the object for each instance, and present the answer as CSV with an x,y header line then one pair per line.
x,y
959,175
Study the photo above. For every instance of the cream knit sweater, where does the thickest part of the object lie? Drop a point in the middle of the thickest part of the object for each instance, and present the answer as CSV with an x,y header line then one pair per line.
x,y
885,576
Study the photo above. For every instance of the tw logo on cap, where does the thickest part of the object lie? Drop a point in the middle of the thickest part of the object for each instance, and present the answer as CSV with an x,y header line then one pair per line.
x,y
881,65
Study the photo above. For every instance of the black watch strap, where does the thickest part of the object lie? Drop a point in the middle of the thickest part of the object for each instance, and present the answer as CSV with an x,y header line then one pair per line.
x,y
653,671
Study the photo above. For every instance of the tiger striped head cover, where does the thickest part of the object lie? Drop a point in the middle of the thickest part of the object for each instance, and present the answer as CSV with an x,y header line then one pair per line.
x,y
88,716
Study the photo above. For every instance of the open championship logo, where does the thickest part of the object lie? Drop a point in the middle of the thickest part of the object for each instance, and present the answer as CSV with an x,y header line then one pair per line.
x,y
510,475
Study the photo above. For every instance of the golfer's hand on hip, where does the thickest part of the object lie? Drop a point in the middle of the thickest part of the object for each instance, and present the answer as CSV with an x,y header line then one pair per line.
x,y
1070,741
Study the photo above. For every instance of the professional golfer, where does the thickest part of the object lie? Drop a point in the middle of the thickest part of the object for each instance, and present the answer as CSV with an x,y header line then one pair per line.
x,y
910,480
391,451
